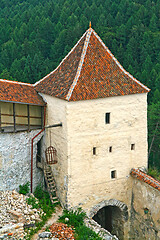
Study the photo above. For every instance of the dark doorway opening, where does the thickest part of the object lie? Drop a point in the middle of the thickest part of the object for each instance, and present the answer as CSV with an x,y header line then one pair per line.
x,y
104,218
110,218
39,150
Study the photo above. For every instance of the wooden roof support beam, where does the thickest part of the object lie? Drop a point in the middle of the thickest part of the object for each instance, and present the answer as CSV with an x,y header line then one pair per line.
x,y
14,117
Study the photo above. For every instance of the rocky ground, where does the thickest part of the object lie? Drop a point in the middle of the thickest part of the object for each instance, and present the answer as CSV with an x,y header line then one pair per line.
x,y
15,214
61,231
58,231
15,210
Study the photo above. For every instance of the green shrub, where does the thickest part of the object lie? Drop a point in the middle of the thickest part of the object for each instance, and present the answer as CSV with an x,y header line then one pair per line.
x,y
24,189
84,233
32,201
44,201
76,220
154,173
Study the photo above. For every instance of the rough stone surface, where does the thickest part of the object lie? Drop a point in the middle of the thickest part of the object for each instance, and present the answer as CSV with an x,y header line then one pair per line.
x,y
15,160
145,212
98,229
44,235
112,202
14,213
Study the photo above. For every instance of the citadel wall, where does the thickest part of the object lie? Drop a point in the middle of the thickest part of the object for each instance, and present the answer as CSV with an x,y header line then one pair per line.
x,y
145,211
15,160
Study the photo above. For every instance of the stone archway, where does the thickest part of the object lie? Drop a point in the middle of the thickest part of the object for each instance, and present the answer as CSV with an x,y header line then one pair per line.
x,y
111,215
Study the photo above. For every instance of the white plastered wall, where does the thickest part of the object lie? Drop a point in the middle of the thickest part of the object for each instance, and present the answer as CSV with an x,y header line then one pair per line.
x,y
57,137
90,175
84,179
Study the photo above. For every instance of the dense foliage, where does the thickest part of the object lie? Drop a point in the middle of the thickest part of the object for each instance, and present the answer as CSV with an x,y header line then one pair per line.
x,y
36,34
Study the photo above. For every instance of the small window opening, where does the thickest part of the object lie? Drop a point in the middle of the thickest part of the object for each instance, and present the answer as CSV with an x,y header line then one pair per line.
x,y
110,149
132,146
107,118
94,150
113,174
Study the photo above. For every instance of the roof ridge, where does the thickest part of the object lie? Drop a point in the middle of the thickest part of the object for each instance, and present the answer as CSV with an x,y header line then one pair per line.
x,y
61,61
145,178
117,62
89,31
16,82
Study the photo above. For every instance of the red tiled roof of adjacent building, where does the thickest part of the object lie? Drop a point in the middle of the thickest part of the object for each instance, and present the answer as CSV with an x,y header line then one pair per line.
x,y
12,91
89,71
145,178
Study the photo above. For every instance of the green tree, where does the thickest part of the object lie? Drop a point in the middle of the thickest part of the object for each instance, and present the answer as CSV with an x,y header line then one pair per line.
x,y
154,134
6,75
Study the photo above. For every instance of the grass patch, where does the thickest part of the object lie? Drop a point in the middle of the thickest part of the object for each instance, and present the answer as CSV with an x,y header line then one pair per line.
x,y
76,221
43,203
24,189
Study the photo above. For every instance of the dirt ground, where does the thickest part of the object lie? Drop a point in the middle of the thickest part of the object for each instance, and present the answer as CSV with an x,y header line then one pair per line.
x,y
50,221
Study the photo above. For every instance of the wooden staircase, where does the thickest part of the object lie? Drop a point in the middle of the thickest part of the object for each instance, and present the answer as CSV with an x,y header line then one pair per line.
x,y
51,186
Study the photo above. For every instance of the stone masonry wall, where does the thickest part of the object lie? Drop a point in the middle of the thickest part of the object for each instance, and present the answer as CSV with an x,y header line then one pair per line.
x,y
145,212
15,160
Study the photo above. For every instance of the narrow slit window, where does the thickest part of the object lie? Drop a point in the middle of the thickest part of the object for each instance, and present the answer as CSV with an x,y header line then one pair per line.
x,y
107,118
132,146
110,149
113,174
94,150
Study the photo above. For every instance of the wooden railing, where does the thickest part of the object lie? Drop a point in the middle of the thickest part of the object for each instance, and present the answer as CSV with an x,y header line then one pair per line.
x,y
12,125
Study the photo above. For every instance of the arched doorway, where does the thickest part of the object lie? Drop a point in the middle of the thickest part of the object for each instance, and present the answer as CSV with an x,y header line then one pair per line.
x,y
111,215
110,218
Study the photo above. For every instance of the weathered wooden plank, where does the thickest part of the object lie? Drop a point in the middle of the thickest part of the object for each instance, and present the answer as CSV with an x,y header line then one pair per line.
x,y
14,117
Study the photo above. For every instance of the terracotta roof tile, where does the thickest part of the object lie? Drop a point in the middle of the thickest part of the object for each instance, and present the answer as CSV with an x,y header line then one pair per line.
x,y
59,81
89,71
12,91
145,178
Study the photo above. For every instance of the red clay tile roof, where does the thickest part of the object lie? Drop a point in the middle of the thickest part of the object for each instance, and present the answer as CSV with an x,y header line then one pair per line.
x,y
89,71
145,178
11,91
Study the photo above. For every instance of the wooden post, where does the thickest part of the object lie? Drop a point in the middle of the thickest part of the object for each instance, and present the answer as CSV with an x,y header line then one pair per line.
x,y
14,117
28,115
42,114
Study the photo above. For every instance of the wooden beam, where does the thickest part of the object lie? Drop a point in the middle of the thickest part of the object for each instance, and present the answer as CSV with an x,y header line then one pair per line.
x,y
22,116
42,114
28,115
14,117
